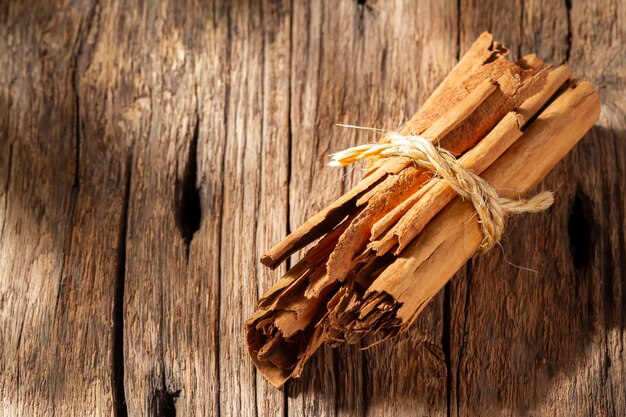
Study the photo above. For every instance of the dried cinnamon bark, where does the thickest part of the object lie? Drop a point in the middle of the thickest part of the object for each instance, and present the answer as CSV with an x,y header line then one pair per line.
x,y
471,114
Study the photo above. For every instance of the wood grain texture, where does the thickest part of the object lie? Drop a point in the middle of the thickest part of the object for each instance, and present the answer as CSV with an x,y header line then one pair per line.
x,y
151,151
63,195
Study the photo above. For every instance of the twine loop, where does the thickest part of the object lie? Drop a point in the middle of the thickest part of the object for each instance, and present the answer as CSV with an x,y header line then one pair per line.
x,y
490,207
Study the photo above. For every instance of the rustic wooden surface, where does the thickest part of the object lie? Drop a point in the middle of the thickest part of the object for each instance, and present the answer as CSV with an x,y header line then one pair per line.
x,y
149,153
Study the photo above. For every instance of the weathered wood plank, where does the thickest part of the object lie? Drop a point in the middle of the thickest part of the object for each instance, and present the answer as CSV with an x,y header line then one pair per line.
x,y
276,141
156,97
255,190
150,152
63,199
216,119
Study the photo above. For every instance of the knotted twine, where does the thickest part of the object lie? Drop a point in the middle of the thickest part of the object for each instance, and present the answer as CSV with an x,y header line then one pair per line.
x,y
490,207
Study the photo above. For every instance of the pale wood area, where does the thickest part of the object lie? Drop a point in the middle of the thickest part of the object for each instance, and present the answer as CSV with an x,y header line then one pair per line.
x,y
151,152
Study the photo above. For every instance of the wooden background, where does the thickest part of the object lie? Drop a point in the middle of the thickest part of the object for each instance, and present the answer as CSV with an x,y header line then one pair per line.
x,y
150,152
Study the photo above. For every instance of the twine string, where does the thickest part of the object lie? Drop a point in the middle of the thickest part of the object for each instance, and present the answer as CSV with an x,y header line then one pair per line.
x,y
490,207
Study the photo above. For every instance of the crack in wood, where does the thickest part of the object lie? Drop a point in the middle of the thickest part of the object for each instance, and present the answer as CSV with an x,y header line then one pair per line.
x,y
220,226
521,30
568,49
81,34
188,207
579,227
7,184
458,30
117,375
163,402
468,272
364,377
445,343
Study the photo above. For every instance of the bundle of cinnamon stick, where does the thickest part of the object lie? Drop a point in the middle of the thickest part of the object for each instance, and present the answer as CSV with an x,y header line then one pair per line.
x,y
385,248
